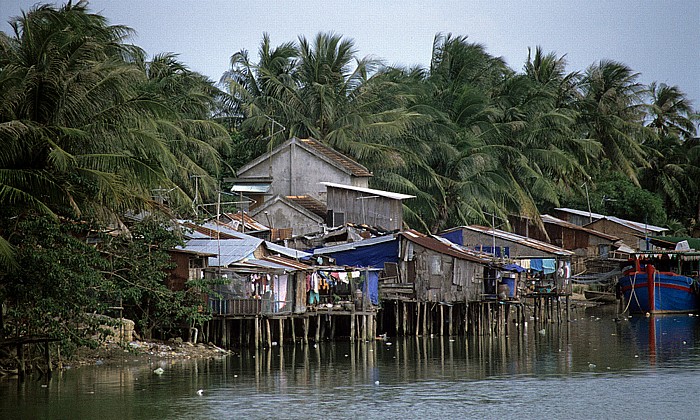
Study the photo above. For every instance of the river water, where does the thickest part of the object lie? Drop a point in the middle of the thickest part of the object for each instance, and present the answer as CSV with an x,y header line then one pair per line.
x,y
593,367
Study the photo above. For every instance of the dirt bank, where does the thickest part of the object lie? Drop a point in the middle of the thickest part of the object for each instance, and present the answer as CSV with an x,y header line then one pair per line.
x,y
137,351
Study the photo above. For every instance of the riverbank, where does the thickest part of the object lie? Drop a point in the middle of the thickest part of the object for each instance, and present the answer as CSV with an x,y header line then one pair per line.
x,y
113,354
138,351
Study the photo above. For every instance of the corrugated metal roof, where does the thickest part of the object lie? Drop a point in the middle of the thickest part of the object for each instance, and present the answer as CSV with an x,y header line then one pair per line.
x,y
353,245
546,218
387,194
581,213
528,242
289,252
639,227
351,165
231,250
257,188
448,248
250,224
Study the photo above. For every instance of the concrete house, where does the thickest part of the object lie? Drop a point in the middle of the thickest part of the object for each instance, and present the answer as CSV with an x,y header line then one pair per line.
x,y
296,168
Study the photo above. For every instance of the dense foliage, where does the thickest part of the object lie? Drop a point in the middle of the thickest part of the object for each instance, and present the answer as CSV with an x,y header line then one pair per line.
x,y
92,129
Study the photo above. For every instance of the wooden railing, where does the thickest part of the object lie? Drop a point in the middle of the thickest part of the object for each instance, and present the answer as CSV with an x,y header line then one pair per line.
x,y
249,307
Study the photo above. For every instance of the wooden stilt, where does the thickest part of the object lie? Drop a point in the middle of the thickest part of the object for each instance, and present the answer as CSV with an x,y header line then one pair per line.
x,y
417,317
281,325
352,328
294,333
425,316
442,320
269,332
449,321
404,328
256,327
306,330
318,328
396,316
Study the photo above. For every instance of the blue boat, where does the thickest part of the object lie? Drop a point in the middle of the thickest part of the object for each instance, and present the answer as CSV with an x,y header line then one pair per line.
x,y
661,282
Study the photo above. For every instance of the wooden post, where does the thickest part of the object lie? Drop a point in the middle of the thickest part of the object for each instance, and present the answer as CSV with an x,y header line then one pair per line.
x,y
425,315
396,316
442,320
318,328
404,328
256,327
352,327
449,321
466,318
294,333
269,332
281,324
306,329
364,328
333,322
417,317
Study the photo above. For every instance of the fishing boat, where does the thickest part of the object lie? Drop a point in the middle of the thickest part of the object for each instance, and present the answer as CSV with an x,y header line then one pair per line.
x,y
659,282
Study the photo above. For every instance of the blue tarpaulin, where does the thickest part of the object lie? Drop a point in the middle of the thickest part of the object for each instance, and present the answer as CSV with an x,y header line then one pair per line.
x,y
371,286
369,256
514,267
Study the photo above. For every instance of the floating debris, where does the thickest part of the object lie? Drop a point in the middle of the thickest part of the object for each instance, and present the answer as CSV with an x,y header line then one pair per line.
x,y
159,371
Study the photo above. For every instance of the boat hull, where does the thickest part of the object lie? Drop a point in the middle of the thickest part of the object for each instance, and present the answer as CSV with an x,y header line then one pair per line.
x,y
672,293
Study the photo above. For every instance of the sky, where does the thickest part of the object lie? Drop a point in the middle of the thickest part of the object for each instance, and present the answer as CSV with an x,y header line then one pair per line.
x,y
658,39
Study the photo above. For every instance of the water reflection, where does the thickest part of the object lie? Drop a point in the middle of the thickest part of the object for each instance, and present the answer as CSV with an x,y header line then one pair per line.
x,y
411,377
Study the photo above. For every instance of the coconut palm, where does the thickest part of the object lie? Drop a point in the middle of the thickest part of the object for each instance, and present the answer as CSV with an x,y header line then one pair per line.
x,y
85,132
611,113
671,112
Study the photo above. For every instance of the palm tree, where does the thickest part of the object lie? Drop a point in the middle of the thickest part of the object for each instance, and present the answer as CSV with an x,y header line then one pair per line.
x,y
611,113
671,112
86,133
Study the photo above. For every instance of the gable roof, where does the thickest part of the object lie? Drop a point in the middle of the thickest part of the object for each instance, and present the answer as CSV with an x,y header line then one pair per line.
x,y
385,194
546,218
354,167
309,203
583,213
640,227
289,203
636,226
512,237
318,149
444,247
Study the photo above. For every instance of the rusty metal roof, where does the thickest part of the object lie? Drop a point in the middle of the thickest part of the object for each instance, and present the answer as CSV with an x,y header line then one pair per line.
x,y
309,203
444,247
337,157
250,224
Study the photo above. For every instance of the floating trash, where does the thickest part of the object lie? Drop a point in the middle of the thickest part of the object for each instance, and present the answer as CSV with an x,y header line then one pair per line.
x,y
159,371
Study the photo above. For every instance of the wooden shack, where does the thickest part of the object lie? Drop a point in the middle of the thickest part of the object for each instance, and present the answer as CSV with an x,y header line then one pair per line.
x,y
366,206
590,247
